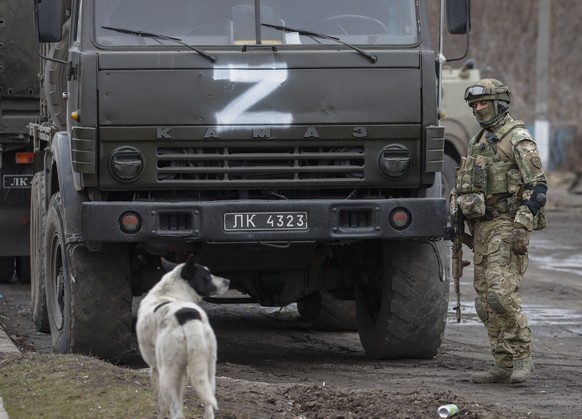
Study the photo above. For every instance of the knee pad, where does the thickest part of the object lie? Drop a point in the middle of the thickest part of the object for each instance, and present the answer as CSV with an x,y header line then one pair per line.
x,y
481,312
496,303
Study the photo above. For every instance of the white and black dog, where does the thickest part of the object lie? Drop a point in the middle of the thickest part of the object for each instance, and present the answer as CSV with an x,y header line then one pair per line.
x,y
175,337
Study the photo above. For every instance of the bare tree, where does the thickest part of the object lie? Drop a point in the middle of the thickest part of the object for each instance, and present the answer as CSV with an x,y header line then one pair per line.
x,y
503,42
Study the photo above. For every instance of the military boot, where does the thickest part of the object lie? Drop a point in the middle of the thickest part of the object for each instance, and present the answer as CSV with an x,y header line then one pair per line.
x,y
522,369
494,375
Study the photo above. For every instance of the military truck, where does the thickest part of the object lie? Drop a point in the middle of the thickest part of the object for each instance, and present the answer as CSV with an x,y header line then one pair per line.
x,y
295,147
19,102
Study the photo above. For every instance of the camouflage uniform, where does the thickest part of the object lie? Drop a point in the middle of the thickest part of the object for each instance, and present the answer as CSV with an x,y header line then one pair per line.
x,y
494,186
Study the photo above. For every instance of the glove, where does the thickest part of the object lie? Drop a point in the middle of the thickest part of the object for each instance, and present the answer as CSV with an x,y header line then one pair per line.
x,y
519,239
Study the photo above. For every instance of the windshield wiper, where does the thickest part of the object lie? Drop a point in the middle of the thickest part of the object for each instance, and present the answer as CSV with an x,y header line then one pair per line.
x,y
371,57
134,32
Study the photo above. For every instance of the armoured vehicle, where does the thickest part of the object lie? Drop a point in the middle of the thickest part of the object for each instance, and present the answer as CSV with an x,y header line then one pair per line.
x,y
294,146
19,101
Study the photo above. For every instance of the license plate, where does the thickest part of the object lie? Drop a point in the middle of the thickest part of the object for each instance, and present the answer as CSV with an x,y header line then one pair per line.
x,y
251,221
17,181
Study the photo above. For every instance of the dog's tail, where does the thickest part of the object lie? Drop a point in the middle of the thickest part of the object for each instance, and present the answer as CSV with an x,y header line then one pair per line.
x,y
202,367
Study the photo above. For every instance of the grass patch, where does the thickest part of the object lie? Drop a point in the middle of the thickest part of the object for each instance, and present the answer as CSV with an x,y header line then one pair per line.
x,y
73,386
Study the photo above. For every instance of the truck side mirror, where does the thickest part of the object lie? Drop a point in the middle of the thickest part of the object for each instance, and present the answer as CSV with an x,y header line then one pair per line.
x,y
459,16
49,17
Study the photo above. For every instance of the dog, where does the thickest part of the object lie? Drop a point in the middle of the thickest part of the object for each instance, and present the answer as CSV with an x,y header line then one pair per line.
x,y
175,338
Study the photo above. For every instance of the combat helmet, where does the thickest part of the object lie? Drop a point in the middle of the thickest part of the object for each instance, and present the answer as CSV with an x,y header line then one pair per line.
x,y
487,89
490,90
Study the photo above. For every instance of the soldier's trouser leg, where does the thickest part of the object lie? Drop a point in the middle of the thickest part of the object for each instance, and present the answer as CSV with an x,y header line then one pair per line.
x,y
498,274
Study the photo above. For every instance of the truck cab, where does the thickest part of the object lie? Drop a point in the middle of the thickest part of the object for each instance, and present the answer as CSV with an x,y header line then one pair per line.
x,y
295,147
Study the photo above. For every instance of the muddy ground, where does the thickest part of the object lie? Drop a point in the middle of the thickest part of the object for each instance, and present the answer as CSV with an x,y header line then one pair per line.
x,y
271,364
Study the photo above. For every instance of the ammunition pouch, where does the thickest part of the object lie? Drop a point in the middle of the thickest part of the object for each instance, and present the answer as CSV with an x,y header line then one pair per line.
x,y
471,177
498,178
514,181
472,205
503,206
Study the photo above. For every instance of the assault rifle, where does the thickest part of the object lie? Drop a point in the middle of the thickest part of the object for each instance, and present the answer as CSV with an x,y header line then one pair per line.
x,y
459,237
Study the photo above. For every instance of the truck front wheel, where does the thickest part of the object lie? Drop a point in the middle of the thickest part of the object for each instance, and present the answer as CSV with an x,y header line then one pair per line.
x,y
402,299
88,293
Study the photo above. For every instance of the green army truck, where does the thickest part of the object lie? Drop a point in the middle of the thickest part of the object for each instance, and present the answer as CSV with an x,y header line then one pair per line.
x,y
19,102
294,146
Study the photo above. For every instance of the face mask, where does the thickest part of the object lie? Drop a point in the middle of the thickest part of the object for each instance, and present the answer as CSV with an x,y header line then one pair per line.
x,y
485,114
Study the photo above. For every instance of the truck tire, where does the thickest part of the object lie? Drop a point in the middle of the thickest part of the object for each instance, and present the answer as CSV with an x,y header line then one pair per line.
x,y
402,300
325,312
88,293
6,269
38,305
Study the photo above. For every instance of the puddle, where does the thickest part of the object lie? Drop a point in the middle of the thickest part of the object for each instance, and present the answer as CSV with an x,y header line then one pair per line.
x,y
550,316
537,244
546,254
538,315
570,264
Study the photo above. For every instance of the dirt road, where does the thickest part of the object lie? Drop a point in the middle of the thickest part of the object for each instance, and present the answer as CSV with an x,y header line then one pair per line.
x,y
273,346
271,364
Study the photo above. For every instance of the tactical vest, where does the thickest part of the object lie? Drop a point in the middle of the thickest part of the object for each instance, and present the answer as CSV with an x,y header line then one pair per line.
x,y
490,168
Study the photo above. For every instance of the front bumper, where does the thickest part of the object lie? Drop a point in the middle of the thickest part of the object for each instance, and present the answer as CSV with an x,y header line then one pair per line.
x,y
328,220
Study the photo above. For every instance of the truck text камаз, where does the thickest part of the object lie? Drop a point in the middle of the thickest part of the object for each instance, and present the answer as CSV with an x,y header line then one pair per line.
x,y
294,146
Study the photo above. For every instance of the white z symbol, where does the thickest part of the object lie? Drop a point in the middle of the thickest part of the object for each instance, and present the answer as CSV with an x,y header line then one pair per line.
x,y
267,81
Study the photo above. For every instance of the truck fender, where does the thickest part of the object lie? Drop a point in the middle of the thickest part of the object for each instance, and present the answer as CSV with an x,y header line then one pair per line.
x,y
61,178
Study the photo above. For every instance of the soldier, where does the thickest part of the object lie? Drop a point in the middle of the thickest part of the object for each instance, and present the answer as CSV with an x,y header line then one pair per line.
x,y
501,191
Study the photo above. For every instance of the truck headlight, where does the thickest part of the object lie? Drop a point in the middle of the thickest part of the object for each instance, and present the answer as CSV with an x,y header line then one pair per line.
x,y
126,163
394,161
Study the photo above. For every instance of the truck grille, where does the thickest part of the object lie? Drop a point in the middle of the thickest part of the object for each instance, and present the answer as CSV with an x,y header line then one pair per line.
x,y
175,221
355,218
260,163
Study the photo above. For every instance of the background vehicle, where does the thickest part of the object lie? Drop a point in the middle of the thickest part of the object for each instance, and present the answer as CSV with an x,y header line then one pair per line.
x,y
295,147
459,122
19,101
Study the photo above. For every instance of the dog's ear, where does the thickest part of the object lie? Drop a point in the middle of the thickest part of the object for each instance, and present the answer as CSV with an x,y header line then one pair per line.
x,y
167,265
189,268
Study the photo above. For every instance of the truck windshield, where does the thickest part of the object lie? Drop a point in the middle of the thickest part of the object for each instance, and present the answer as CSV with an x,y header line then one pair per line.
x,y
232,22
